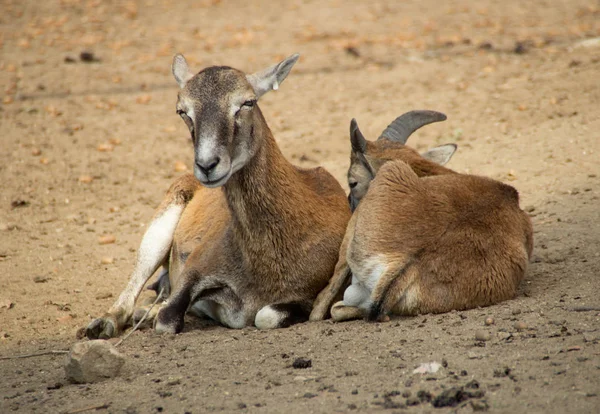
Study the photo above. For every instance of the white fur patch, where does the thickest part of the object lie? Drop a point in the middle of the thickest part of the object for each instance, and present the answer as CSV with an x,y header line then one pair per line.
x,y
355,295
368,271
219,313
207,147
268,318
154,247
159,236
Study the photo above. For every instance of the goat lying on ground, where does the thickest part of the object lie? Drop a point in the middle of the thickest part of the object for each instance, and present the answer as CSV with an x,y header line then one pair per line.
x,y
257,250
423,238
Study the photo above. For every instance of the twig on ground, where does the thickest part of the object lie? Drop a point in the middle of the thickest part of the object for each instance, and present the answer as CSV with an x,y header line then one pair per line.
x,y
585,309
141,320
91,407
34,355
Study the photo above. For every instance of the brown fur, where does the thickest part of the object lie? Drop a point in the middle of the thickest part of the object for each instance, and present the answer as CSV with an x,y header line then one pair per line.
x,y
442,240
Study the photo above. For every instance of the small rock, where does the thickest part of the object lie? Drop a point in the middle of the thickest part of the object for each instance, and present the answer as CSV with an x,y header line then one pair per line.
x,y
427,368
473,384
588,43
482,336
107,260
104,295
180,166
104,148
302,363
516,311
489,321
93,361
88,57
41,279
36,151
503,335
19,203
520,48
479,405
107,239
6,303
86,179
520,326
7,226
174,381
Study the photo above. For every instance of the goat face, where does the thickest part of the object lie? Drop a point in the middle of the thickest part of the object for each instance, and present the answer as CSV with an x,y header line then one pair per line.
x,y
368,156
219,107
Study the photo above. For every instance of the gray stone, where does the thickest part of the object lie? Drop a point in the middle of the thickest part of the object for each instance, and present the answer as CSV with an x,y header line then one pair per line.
x,y
93,361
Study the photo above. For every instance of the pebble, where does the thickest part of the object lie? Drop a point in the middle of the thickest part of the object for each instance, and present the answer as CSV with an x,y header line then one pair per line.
x,y
489,321
180,166
302,363
482,336
107,239
107,260
520,326
104,148
516,311
93,361
40,279
86,179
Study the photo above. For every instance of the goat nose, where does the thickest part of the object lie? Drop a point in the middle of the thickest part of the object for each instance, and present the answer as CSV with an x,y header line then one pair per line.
x,y
207,166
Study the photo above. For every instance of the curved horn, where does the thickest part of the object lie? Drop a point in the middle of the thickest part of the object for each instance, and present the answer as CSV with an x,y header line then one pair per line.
x,y
403,126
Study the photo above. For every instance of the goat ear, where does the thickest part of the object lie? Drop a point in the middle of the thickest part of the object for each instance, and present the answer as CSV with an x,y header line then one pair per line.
x,y
357,139
180,70
440,155
270,78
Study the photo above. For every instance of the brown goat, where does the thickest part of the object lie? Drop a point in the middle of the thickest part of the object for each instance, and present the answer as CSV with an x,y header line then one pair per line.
x,y
258,249
423,238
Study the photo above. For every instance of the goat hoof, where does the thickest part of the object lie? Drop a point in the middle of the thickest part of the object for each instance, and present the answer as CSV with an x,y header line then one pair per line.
x,y
101,328
168,321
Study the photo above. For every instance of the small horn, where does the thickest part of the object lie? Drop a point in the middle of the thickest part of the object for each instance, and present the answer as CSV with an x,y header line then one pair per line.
x,y
403,126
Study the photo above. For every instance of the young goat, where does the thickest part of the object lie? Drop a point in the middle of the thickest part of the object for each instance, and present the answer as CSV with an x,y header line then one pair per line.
x,y
257,250
423,239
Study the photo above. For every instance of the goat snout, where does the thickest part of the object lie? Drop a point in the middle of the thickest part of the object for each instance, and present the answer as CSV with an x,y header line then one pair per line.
x,y
207,166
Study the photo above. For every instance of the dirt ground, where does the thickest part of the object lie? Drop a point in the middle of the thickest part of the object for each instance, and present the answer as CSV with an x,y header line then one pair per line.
x,y
91,142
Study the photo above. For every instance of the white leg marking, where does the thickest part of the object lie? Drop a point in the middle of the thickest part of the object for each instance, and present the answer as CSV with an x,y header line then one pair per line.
x,y
268,318
154,248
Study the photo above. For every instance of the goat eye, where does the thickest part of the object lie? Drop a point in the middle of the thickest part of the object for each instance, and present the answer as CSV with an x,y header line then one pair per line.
x,y
186,119
353,184
249,103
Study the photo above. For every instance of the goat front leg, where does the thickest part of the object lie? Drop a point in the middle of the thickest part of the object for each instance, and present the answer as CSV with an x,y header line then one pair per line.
x,y
154,250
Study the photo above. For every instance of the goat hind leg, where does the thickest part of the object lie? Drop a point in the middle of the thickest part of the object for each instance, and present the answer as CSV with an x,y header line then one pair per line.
x,y
338,282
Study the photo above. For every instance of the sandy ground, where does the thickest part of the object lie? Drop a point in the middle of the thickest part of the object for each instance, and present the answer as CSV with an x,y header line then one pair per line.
x,y
88,149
